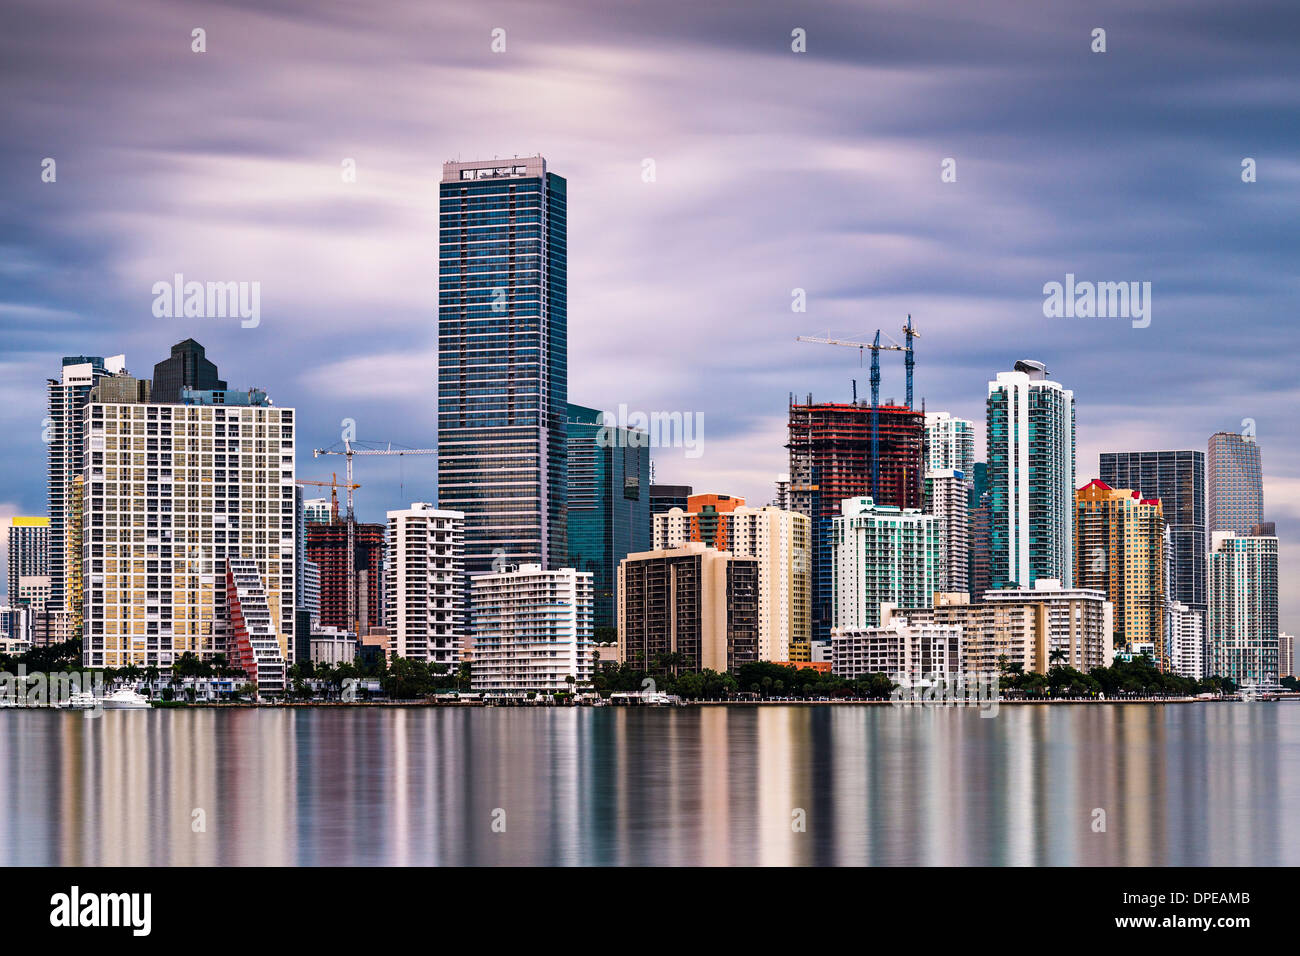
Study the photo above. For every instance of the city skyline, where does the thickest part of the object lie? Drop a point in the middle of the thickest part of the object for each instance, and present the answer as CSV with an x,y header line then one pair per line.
x,y
353,306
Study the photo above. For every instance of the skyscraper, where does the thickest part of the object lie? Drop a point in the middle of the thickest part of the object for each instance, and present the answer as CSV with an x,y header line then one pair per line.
x,y
1177,478
779,539
65,432
29,551
946,499
1242,624
424,587
187,367
1234,483
186,505
1119,550
503,360
608,502
882,555
1031,477
830,462
950,442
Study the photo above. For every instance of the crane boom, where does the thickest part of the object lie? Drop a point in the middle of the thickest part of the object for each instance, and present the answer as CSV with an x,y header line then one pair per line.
x,y
349,452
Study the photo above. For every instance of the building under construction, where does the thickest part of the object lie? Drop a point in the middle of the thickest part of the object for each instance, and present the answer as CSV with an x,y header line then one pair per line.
x,y
327,546
831,460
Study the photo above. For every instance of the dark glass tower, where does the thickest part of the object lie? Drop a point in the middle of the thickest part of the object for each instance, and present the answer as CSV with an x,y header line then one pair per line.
x,y
1177,478
609,503
188,367
503,360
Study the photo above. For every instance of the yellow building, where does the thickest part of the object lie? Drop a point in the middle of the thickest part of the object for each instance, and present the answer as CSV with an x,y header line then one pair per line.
x,y
1119,548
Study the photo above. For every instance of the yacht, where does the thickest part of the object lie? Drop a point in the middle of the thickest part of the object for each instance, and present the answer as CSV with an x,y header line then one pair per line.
x,y
125,699
84,700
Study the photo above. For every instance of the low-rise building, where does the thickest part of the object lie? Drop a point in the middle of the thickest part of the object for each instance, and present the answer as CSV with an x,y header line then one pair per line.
x,y
912,653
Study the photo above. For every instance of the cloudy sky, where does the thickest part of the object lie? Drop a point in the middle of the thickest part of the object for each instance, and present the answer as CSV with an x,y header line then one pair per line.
x,y
774,171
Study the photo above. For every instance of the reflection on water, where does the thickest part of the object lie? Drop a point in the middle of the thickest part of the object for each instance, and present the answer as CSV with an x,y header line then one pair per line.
x,y
1179,784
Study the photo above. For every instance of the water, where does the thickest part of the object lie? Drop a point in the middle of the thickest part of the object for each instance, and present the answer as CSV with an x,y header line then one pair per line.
x,y
1179,784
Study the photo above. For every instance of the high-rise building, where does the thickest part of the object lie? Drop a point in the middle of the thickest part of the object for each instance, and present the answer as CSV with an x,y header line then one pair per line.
x,y
1077,623
1119,540
608,501
950,443
1234,482
1285,655
317,511
912,653
946,498
187,367
424,589
29,551
666,497
781,496
503,360
693,601
1177,478
981,544
1242,624
780,540
1185,630
64,434
532,630
831,461
881,555
705,518
327,547
175,493
1031,477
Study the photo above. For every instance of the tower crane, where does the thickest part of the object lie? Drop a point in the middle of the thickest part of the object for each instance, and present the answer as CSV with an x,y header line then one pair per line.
x,y
333,486
349,450
876,349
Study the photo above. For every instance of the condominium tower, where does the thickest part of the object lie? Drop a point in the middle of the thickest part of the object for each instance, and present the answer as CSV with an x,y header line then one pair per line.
x,y
175,496
1031,448
29,551
424,587
1242,625
882,554
1234,481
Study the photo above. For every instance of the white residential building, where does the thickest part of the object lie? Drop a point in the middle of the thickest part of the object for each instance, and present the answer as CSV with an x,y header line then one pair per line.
x,y
532,630
881,554
946,499
1185,636
424,588
780,540
911,653
1242,622
1285,655
950,442
172,492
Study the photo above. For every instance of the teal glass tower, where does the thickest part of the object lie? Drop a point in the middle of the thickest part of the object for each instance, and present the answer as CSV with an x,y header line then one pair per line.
x,y
609,502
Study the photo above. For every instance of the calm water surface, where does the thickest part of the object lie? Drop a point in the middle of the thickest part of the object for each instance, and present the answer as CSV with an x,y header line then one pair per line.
x,y
1180,785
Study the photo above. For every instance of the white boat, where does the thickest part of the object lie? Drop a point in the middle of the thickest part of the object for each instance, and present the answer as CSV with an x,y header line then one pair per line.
x,y
125,699
84,700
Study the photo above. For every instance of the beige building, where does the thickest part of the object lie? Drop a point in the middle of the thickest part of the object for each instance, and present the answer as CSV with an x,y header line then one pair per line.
x,y
1035,628
1120,550
780,540
172,493
693,601
911,652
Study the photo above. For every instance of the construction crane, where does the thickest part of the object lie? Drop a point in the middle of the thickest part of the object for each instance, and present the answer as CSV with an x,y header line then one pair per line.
x,y
876,349
348,451
333,486
909,358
